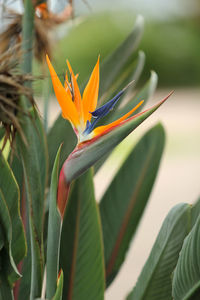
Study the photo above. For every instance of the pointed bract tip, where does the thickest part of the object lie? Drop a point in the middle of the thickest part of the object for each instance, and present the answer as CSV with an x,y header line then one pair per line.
x,y
127,86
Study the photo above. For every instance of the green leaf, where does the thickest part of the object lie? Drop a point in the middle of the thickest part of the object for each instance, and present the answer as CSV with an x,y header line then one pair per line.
x,y
5,289
59,291
124,201
113,64
85,155
1,238
195,212
60,133
54,233
7,262
81,256
25,281
144,94
34,159
186,284
10,192
154,282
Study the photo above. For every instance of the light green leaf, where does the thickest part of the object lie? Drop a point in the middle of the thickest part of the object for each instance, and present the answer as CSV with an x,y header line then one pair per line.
x,y
124,201
186,283
154,282
89,152
54,234
81,256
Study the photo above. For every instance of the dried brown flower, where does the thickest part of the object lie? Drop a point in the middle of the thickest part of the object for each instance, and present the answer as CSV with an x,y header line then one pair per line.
x,y
45,21
12,87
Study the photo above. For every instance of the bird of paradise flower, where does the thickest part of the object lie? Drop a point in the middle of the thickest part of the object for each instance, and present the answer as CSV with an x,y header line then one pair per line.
x,y
82,112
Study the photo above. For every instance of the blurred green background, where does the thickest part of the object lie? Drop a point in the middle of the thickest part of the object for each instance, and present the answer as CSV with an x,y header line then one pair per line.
x,y
171,39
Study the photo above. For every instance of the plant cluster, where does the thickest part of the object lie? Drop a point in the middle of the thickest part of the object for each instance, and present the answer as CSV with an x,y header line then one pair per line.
x,y
56,242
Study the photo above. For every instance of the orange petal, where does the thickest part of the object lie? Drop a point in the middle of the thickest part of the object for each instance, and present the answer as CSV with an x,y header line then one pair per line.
x,y
77,94
90,94
101,129
68,108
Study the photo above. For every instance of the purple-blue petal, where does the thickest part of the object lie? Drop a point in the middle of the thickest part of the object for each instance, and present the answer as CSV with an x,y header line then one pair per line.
x,y
106,108
102,111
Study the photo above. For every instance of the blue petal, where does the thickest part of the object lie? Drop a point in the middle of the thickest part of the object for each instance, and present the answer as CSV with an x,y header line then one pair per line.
x,y
106,108
103,111
90,126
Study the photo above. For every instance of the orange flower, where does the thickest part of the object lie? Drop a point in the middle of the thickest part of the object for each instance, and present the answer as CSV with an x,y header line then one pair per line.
x,y
81,111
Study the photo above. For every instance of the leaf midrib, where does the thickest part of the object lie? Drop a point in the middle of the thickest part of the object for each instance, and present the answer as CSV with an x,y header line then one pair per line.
x,y
126,219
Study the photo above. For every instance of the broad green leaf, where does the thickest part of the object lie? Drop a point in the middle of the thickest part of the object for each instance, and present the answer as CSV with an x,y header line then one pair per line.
x,y
59,290
54,234
85,155
117,60
186,283
10,192
155,282
124,201
81,256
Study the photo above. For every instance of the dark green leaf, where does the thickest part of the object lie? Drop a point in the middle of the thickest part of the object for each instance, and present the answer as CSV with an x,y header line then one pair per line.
x,y
5,290
186,283
154,282
124,201
81,254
